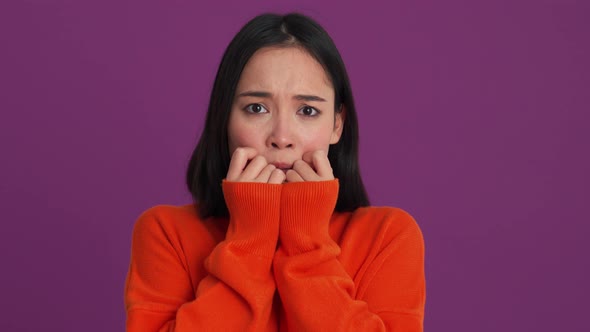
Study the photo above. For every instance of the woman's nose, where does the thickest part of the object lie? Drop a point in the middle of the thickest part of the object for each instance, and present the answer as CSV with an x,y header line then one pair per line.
x,y
281,136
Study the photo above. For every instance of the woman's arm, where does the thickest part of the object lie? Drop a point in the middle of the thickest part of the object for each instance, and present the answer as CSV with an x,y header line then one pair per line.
x,y
237,293
316,291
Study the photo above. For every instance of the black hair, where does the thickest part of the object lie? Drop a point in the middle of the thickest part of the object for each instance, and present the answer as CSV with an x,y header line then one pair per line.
x,y
210,160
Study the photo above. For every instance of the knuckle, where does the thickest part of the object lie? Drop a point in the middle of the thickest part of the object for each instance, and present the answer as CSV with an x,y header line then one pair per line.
x,y
259,159
238,152
318,155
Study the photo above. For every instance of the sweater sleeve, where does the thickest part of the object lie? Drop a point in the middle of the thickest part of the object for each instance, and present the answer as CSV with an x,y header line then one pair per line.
x,y
317,293
238,291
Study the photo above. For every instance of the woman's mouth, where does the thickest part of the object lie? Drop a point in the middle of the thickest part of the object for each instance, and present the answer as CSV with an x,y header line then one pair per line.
x,y
283,166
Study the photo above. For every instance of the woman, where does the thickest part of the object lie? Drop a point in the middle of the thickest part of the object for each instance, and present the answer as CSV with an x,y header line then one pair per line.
x,y
280,236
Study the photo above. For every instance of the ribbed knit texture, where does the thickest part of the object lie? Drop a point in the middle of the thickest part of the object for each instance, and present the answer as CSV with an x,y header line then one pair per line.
x,y
306,208
282,262
254,208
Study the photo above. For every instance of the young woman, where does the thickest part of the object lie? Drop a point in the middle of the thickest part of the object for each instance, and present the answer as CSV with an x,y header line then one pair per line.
x,y
280,237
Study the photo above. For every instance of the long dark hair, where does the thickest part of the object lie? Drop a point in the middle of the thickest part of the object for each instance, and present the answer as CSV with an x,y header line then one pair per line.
x,y
210,160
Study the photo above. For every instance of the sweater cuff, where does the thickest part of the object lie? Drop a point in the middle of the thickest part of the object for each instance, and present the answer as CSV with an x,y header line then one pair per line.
x,y
306,211
254,216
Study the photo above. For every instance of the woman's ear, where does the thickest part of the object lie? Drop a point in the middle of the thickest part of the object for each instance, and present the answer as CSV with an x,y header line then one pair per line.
x,y
339,118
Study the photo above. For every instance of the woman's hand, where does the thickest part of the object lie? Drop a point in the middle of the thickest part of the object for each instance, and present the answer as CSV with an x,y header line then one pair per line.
x,y
247,166
313,166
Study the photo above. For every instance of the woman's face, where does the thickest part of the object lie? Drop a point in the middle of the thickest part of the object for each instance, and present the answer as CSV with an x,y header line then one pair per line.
x,y
283,107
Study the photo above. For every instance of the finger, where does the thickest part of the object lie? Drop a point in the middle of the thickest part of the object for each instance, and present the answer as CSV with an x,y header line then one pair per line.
x,y
277,176
265,173
293,176
238,162
322,165
253,169
308,158
305,171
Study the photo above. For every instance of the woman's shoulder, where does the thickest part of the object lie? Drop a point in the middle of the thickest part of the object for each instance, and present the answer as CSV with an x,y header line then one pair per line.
x,y
174,219
391,222
372,234
165,210
168,214
385,214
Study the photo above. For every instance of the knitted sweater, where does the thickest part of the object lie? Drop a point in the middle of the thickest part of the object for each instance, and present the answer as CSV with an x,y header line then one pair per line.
x,y
283,261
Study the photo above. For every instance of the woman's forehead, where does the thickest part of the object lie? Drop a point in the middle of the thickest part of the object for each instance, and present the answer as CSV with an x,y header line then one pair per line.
x,y
285,70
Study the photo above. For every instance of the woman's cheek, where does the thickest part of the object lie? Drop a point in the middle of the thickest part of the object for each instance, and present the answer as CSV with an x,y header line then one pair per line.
x,y
245,136
316,140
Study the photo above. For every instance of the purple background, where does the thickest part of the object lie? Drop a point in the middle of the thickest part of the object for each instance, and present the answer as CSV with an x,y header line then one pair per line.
x,y
473,118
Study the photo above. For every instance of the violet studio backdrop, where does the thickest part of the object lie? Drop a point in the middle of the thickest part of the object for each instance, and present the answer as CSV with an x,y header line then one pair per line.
x,y
473,118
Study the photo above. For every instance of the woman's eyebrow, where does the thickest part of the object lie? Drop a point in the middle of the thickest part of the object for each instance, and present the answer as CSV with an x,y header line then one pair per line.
x,y
308,98
260,94
264,94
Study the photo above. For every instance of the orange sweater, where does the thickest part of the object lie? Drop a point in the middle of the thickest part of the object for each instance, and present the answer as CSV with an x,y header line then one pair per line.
x,y
284,261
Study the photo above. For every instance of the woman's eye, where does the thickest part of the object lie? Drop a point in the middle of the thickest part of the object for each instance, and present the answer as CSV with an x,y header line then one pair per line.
x,y
256,109
308,111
